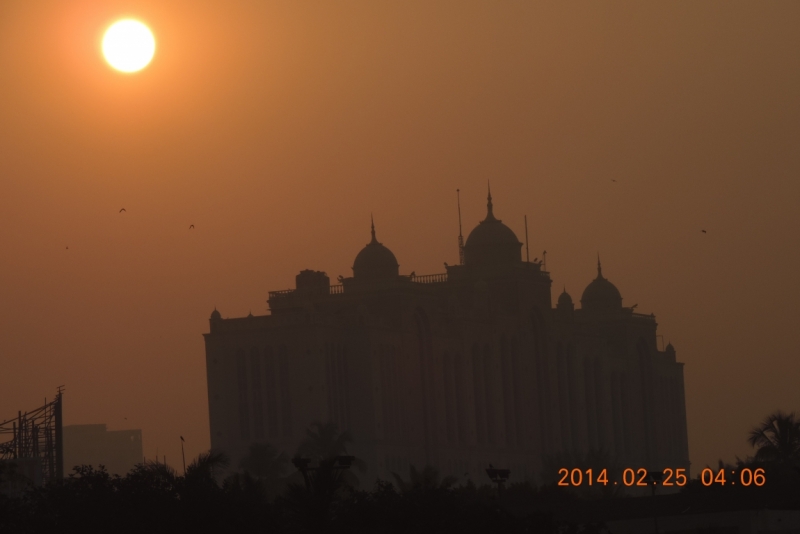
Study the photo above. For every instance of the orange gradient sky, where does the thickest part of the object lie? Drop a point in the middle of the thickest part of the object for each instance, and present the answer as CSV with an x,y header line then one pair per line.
x,y
276,128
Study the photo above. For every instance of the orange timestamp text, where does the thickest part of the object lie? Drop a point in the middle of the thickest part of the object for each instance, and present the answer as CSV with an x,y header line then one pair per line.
x,y
667,477
630,477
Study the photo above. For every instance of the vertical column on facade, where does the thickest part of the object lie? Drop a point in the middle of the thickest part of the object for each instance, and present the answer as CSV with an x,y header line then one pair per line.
x,y
543,395
522,408
286,395
269,390
244,403
449,398
479,392
577,404
563,400
258,402
684,436
493,420
591,404
646,385
627,420
618,418
605,430
508,395
461,399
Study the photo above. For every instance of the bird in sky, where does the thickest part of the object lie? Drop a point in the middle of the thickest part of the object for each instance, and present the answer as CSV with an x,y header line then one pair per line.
x,y
123,209
191,226
67,248
613,180
704,231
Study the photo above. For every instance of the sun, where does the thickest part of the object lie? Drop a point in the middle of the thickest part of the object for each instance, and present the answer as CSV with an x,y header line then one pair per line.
x,y
128,45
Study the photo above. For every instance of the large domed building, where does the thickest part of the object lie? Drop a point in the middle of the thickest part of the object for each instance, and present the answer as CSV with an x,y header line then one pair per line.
x,y
458,370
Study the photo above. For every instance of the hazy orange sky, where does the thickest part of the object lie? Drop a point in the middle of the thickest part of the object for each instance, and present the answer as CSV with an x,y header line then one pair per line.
x,y
276,128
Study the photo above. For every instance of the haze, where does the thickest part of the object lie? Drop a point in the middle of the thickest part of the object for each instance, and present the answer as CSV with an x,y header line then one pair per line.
x,y
276,128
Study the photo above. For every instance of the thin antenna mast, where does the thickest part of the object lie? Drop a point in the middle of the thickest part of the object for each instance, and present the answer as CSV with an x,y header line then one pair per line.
x,y
527,251
460,237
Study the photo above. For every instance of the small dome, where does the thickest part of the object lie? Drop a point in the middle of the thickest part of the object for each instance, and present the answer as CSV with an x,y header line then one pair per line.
x,y
492,242
565,301
375,262
601,294
215,315
670,348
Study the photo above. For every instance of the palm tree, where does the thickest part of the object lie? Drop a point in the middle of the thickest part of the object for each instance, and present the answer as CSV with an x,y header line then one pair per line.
x,y
425,480
777,438
324,442
205,464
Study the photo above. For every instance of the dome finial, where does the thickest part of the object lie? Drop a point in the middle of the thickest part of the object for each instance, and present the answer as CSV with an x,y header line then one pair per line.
x,y
372,221
489,211
599,267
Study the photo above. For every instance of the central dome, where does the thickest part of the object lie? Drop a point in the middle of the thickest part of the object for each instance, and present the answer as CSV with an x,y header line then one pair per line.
x,y
492,242
375,262
601,294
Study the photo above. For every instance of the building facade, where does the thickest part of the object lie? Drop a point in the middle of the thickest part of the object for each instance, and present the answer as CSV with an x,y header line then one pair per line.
x,y
456,370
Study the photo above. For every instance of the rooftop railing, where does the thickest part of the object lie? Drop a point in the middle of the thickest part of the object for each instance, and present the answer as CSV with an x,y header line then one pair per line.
x,y
429,278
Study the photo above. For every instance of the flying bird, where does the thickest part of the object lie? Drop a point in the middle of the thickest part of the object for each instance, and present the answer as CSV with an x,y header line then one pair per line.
x,y
191,226
613,180
704,231
123,209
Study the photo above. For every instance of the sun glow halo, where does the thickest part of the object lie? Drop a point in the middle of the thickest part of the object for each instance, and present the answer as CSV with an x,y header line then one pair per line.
x,y
128,45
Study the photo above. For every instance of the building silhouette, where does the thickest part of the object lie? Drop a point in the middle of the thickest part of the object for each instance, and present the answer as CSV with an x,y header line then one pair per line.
x,y
456,370
117,450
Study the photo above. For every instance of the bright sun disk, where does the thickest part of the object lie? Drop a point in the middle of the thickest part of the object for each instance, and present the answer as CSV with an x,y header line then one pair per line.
x,y
128,45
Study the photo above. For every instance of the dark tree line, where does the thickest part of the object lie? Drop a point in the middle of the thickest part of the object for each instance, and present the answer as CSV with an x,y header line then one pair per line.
x,y
266,493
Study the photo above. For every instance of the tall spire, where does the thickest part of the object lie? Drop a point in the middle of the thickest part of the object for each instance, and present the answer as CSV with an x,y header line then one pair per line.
x,y
372,221
599,267
489,212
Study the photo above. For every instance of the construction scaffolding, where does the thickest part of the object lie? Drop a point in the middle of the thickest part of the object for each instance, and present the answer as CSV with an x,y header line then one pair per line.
x,y
36,441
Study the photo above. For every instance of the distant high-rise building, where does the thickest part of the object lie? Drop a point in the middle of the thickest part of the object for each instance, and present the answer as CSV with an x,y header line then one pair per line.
x,y
118,450
456,370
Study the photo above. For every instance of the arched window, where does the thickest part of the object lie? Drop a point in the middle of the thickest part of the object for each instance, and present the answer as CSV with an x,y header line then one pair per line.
x,y
244,411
